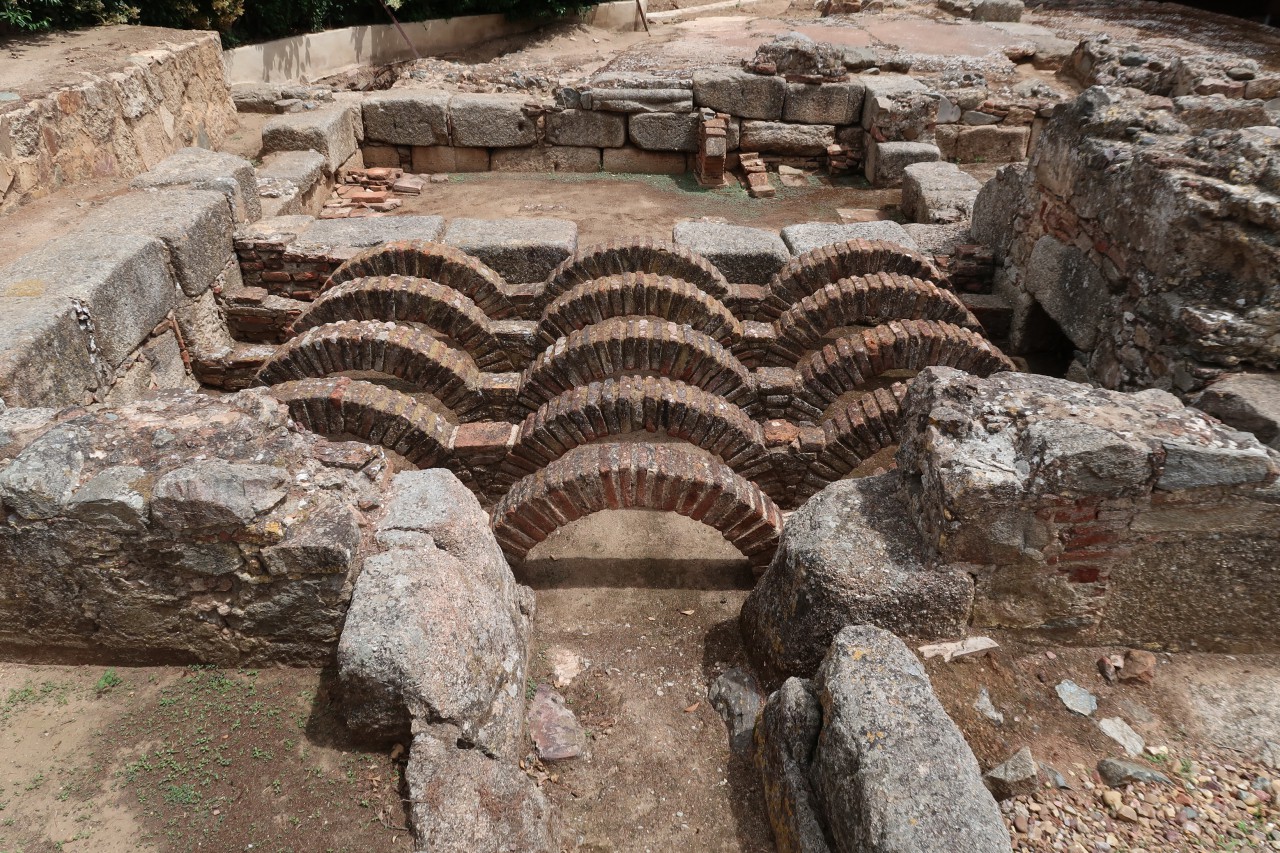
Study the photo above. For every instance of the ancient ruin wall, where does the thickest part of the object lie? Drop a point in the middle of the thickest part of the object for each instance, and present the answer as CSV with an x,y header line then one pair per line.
x,y
116,125
1095,516
1146,231
180,528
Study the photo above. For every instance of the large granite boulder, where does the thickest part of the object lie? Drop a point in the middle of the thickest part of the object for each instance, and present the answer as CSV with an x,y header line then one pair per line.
x,y
437,634
863,759
462,801
850,555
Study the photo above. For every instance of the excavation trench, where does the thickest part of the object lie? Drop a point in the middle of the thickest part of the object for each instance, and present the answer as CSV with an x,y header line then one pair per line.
x,y
646,605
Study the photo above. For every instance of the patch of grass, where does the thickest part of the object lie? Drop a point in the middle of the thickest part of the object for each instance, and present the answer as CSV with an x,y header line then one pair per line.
x,y
181,795
108,680
31,694
199,778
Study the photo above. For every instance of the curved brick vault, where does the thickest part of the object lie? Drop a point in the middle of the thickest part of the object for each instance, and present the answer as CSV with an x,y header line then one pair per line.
x,y
376,414
867,300
438,262
401,299
808,273
852,362
629,345
638,294
622,256
634,355
404,352
854,430
626,476
635,404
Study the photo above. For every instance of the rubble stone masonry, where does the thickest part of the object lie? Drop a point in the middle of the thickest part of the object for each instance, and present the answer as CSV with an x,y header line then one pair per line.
x,y
1092,515
119,124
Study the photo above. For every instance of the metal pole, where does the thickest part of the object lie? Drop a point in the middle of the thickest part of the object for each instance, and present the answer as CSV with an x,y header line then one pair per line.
x,y
403,34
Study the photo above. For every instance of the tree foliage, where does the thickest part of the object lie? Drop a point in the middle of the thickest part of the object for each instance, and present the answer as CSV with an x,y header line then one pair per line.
x,y
242,21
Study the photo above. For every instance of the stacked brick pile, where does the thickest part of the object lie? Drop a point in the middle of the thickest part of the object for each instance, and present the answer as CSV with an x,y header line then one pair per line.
x,y
757,174
713,150
364,192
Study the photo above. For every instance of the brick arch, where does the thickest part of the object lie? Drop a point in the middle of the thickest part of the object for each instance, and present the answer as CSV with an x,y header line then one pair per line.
x,y
866,300
638,294
635,404
635,345
663,477
397,298
852,361
415,356
622,256
854,431
438,262
816,269
378,415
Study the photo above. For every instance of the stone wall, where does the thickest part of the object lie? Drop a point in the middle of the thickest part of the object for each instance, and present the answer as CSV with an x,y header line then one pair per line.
x,y
798,102
125,304
1144,229
1092,515
1061,511
180,528
116,125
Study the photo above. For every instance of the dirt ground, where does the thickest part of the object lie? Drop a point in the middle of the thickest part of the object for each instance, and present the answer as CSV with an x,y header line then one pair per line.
x,y
611,206
1198,700
114,760
35,65
651,633
636,616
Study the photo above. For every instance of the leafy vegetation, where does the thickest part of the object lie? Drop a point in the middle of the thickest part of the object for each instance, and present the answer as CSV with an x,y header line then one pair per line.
x,y
241,21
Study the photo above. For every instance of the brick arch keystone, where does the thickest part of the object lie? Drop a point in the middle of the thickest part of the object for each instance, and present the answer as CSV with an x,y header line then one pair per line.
x,y
622,256
397,298
407,353
635,345
852,361
635,404
854,431
378,415
816,269
642,476
866,300
438,262
638,294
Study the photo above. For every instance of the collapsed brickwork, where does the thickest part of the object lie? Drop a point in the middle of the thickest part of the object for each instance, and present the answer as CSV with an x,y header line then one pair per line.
x,y
1117,181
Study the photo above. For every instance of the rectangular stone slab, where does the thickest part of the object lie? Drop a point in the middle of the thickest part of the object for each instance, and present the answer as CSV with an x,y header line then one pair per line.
x,y
520,250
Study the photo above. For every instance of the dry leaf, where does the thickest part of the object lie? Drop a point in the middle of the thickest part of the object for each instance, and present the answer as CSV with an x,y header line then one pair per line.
x,y
692,707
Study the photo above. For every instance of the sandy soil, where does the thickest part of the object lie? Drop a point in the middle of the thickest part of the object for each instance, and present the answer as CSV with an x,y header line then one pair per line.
x,y
609,206
652,633
35,65
178,759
